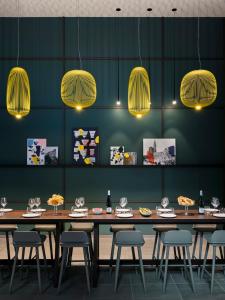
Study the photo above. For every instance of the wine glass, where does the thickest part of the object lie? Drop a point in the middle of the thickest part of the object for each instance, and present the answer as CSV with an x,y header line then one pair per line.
x,y
31,203
215,202
165,202
82,201
77,202
123,202
37,202
3,202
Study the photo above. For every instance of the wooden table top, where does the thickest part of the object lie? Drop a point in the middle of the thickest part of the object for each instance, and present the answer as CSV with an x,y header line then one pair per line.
x,y
49,217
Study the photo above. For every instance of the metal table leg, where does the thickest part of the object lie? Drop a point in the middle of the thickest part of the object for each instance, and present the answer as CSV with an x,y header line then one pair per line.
x,y
57,254
95,256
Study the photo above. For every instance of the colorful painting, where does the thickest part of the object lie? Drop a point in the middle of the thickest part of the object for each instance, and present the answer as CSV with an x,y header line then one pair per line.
x,y
130,158
51,155
36,151
85,146
159,151
116,155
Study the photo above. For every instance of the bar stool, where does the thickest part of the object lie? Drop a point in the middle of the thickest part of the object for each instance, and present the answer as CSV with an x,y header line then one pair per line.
x,y
114,229
86,227
23,239
7,229
70,240
50,229
129,239
216,239
174,238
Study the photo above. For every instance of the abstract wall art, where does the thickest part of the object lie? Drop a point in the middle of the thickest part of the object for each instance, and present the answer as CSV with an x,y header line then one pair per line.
x,y
36,151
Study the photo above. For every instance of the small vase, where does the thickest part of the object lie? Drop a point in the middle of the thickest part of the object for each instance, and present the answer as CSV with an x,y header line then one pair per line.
x,y
55,209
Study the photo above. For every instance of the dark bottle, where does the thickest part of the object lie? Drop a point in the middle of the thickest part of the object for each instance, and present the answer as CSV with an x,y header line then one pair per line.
x,y
108,203
201,205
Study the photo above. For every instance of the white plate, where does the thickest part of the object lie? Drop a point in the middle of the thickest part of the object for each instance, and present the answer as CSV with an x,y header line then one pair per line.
x,y
129,215
80,210
122,210
6,209
164,210
31,215
211,209
219,215
38,209
167,215
77,215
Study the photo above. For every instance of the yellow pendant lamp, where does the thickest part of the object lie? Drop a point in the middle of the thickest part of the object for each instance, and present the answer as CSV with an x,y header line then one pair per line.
x,y
78,89
139,87
18,93
198,89
139,92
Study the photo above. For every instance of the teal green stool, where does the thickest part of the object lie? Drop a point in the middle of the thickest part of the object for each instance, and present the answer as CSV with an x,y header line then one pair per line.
x,y
132,238
176,238
216,239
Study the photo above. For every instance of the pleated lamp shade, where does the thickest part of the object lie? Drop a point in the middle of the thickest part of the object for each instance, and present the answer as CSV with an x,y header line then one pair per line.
x,y
18,93
78,89
198,89
139,92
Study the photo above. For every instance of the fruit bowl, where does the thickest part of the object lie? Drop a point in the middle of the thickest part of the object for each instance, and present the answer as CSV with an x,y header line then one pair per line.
x,y
145,212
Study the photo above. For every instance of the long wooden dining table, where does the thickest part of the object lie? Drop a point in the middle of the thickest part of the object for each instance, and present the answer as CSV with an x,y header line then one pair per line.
x,y
62,217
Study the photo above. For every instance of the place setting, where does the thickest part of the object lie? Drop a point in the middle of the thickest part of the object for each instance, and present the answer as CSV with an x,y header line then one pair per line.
x,y
164,211
3,208
33,208
122,211
78,210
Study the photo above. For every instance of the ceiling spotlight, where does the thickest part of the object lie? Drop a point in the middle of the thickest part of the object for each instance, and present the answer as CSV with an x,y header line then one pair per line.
x,y
118,9
118,102
149,9
174,102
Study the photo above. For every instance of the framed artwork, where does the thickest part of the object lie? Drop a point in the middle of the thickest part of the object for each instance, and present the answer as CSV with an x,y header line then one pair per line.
x,y
130,158
36,151
85,146
116,155
51,155
159,151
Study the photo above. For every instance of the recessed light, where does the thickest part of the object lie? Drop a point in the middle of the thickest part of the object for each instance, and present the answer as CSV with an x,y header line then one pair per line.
x,y
118,9
149,9
174,9
118,102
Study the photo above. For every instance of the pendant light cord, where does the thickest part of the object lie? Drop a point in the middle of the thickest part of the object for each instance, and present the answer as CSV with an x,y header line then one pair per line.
x,y
78,33
174,62
139,41
198,42
18,33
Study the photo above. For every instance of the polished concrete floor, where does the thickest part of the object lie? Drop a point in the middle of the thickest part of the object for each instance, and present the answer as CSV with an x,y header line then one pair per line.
x,y
74,284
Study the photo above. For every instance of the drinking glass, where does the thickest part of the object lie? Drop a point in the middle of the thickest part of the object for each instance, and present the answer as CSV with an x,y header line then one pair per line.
x,y
73,209
158,212
37,202
31,203
3,202
77,202
215,202
165,202
123,202
82,201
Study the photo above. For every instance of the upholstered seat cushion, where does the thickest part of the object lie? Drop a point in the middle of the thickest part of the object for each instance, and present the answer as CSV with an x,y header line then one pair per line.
x,y
121,227
87,227
216,238
45,227
205,227
8,227
164,227
129,238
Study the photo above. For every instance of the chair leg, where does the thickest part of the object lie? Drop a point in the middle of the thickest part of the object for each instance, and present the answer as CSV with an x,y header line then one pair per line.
x,y
155,244
190,267
133,253
141,267
158,253
112,251
86,259
205,258
50,244
44,255
38,269
161,262
213,268
65,250
91,251
22,261
7,245
184,260
175,253
179,252
166,268
70,256
195,244
117,267
221,252
13,269
31,251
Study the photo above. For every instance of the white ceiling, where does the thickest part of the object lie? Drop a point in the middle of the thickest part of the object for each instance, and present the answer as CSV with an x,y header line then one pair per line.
x,y
107,8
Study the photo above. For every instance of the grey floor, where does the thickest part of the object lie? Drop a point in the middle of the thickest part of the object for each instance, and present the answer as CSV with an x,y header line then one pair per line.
x,y
130,287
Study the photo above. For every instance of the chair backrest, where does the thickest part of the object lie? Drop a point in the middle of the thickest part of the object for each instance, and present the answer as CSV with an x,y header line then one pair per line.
x,y
177,237
23,238
74,238
129,238
218,237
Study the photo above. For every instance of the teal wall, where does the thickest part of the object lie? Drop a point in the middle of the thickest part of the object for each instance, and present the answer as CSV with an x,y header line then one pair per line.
x,y
48,47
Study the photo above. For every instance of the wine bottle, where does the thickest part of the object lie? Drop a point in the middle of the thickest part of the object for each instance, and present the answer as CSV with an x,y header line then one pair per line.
x,y
108,203
201,205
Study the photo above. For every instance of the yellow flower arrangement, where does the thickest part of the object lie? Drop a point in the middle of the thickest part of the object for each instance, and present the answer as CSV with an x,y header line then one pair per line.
x,y
56,200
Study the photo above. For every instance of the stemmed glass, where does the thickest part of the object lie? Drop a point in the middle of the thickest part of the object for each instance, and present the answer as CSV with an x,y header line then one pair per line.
x,y
165,202
82,201
37,202
77,202
123,202
215,202
31,203
3,203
